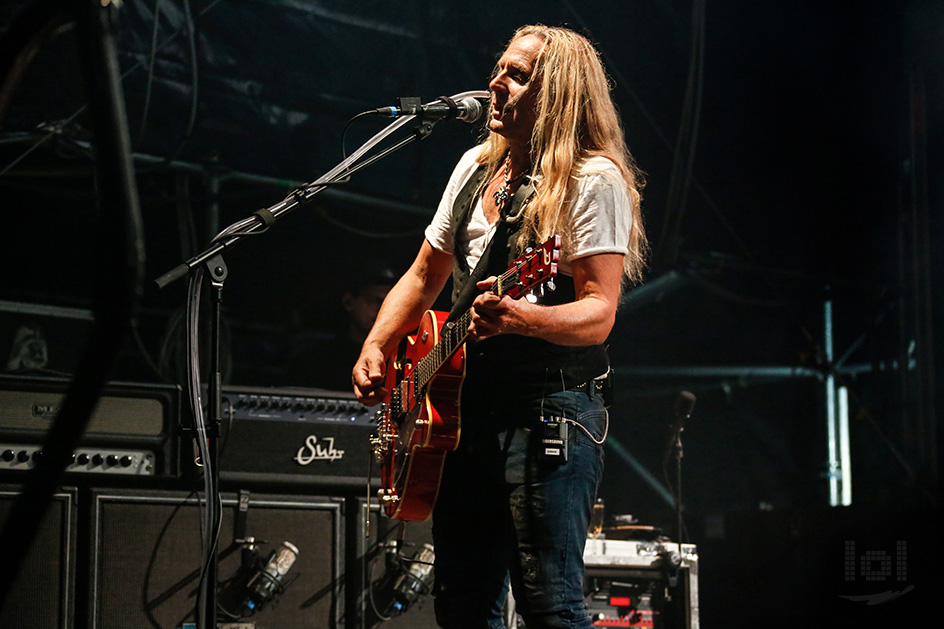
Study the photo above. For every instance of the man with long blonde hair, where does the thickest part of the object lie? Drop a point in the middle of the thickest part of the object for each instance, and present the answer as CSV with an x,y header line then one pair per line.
x,y
554,162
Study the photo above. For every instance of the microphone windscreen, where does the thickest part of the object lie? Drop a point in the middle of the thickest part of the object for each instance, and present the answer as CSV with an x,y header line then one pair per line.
x,y
684,404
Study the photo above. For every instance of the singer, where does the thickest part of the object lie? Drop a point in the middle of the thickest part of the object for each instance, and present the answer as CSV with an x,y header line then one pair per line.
x,y
554,162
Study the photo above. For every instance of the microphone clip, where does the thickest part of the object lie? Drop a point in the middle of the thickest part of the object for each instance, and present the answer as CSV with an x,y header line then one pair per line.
x,y
409,106
413,106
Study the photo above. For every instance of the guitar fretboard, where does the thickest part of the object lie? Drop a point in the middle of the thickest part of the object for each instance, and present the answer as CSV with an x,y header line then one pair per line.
x,y
527,272
453,335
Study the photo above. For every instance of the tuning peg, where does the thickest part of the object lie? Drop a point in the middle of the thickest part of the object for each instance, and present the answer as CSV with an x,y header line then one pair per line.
x,y
551,286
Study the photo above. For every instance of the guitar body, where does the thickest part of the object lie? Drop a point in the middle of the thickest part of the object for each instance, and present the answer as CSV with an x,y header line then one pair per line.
x,y
418,438
419,421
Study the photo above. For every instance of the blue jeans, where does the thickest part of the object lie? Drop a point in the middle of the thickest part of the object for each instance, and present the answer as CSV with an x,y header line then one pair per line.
x,y
505,516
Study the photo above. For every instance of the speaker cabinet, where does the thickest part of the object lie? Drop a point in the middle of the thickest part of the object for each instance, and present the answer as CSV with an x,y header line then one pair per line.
x,y
147,557
42,591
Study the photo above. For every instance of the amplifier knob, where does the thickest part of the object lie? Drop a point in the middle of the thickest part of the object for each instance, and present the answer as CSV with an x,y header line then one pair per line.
x,y
126,460
38,455
22,456
97,459
8,455
82,459
112,459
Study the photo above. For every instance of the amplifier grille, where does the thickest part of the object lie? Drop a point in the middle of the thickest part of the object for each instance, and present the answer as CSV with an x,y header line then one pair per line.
x,y
36,410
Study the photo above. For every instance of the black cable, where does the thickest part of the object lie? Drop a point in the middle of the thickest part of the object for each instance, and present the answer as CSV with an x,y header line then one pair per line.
x,y
686,142
150,73
56,129
348,124
624,84
194,88
118,287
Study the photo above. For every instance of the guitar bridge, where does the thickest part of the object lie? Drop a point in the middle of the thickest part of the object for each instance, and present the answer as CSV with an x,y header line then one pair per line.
x,y
380,442
379,446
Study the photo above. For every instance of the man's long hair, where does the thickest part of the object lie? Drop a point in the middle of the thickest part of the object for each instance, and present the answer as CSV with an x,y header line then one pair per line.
x,y
576,120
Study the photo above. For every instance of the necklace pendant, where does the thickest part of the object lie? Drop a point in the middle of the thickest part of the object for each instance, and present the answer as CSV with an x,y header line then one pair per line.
x,y
501,195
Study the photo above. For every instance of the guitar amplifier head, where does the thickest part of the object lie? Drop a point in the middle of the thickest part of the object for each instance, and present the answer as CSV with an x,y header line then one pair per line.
x,y
132,430
311,438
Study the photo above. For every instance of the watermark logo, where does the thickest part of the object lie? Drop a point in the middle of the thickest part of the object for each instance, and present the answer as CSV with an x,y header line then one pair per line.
x,y
877,567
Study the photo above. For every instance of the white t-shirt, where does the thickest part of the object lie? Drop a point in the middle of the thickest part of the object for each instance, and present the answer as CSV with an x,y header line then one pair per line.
x,y
601,214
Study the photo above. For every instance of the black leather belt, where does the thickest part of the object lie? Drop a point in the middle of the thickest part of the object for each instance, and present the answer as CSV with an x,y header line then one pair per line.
x,y
601,384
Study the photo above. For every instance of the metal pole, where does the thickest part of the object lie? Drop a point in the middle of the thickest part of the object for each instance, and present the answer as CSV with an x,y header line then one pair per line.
x,y
834,467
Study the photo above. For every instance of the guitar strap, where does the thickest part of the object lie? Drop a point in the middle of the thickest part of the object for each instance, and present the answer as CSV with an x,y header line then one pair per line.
x,y
495,258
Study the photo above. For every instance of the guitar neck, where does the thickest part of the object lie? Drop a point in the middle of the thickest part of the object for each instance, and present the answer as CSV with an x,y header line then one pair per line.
x,y
527,272
453,335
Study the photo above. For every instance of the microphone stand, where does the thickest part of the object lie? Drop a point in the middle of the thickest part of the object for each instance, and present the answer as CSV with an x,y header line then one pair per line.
x,y
218,272
671,560
211,261
677,448
684,405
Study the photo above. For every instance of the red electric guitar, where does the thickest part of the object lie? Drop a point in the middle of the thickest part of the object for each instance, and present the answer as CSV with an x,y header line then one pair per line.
x,y
419,421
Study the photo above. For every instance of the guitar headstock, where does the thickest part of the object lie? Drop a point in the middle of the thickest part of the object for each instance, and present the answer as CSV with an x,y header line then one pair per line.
x,y
530,270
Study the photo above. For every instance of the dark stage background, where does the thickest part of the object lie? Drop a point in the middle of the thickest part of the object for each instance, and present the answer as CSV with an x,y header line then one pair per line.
x,y
792,152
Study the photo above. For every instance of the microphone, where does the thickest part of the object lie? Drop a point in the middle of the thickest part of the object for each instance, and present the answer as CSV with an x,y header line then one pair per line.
x,y
467,108
267,581
415,582
684,405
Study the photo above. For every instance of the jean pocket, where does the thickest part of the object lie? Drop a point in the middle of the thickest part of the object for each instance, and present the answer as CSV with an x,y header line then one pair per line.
x,y
591,426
